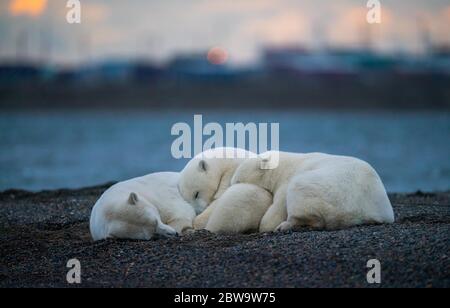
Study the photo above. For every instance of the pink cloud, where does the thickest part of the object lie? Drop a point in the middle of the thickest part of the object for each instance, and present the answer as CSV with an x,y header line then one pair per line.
x,y
285,27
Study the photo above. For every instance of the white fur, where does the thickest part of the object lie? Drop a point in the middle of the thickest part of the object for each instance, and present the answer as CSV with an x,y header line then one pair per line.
x,y
318,190
209,174
239,209
140,208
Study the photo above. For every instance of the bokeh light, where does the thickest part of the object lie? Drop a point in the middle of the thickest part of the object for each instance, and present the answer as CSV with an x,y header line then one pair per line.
x,y
27,7
217,56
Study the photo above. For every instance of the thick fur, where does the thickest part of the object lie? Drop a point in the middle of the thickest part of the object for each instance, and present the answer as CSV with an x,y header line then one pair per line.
x,y
318,190
239,209
207,176
140,208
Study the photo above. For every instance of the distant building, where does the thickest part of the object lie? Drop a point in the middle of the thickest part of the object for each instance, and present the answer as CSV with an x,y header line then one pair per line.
x,y
440,59
116,71
329,61
197,65
19,73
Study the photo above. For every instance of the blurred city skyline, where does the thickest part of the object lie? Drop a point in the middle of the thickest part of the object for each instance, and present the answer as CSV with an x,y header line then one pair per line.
x,y
158,30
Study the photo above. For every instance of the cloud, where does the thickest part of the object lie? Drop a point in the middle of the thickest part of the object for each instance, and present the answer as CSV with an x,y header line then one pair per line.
x,y
349,26
441,26
237,6
164,28
95,13
282,28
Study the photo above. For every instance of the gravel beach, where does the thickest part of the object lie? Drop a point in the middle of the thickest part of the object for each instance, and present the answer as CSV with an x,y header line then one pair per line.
x,y
41,231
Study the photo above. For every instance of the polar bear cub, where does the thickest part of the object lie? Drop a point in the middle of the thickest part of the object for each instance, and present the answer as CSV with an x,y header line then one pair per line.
x,y
140,208
239,209
318,190
207,176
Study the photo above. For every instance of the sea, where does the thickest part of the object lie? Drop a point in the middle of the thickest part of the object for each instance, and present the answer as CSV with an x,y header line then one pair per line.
x,y
52,149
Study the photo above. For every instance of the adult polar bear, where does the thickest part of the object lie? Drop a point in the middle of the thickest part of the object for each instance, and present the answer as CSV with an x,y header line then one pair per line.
x,y
318,190
142,207
205,183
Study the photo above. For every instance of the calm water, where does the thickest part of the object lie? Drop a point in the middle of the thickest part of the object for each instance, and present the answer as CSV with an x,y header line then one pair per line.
x,y
46,150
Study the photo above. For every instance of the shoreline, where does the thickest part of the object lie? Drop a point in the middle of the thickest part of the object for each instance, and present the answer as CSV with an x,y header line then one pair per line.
x,y
106,185
41,231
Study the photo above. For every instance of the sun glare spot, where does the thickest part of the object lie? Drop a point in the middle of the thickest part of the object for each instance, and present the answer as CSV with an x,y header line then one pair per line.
x,y
217,56
27,7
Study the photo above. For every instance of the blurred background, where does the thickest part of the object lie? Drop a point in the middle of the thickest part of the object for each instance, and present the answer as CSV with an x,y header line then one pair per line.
x,y
83,104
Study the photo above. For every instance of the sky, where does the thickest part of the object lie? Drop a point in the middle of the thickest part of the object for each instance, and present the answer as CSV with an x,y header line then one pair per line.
x,y
160,29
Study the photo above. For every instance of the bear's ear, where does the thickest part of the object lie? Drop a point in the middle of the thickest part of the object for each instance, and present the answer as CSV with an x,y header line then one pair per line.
x,y
133,199
265,162
203,166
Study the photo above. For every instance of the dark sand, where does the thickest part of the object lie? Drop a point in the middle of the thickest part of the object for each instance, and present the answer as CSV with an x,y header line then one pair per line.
x,y
40,232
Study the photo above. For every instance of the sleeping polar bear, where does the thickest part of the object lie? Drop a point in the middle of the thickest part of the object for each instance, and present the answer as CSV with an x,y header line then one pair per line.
x,y
207,176
239,210
140,208
318,190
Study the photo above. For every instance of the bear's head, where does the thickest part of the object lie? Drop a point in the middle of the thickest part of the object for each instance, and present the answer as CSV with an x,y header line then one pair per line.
x,y
141,213
255,170
199,182
202,177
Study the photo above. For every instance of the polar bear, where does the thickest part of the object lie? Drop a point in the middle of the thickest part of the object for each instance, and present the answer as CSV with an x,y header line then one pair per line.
x,y
239,209
317,190
207,176
142,207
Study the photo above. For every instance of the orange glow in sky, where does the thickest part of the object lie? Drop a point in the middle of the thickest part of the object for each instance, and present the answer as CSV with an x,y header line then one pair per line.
x,y
27,7
217,56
